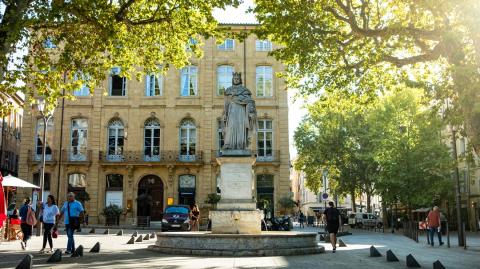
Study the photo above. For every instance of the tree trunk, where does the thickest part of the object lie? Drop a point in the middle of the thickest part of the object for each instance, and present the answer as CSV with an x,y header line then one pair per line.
x,y
354,206
369,202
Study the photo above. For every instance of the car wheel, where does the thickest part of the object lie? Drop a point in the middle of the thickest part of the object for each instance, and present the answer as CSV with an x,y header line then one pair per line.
x,y
360,225
379,225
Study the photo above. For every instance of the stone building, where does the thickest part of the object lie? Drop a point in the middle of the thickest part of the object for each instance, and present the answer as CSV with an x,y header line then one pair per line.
x,y
11,134
145,144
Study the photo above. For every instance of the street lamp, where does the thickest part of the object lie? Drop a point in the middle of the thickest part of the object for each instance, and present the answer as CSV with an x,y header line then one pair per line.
x,y
46,116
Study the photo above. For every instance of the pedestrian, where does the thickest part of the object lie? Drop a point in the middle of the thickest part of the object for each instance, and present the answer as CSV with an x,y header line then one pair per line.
x,y
434,225
71,211
27,217
195,216
332,218
301,219
49,214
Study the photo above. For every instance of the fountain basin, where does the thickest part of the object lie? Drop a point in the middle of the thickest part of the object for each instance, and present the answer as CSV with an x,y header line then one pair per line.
x,y
264,244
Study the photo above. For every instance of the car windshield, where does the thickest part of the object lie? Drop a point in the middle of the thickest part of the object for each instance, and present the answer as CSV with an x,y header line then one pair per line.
x,y
176,209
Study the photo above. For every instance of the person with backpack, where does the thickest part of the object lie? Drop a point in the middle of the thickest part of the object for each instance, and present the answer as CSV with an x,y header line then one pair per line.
x,y
28,220
71,209
332,217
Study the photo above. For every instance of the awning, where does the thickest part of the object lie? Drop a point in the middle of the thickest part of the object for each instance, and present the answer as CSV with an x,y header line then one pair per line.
x,y
11,181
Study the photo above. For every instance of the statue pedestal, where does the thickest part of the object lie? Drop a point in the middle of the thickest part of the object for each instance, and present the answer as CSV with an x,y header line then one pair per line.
x,y
236,212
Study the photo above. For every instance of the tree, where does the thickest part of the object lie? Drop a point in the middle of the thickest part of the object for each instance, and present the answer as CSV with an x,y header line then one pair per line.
x,y
349,45
71,43
383,145
286,203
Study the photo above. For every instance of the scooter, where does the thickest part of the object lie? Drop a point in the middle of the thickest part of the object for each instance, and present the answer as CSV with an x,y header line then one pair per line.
x,y
280,224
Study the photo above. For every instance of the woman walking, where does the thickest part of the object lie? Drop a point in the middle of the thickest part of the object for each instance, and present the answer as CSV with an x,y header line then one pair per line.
x,y
26,214
49,214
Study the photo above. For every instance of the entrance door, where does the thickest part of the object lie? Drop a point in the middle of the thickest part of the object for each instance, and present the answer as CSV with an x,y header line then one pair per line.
x,y
150,198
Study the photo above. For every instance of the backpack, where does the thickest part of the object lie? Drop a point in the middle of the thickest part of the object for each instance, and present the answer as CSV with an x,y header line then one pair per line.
x,y
332,215
31,219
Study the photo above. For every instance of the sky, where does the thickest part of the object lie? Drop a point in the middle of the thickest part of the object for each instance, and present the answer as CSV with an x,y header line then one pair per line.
x,y
296,110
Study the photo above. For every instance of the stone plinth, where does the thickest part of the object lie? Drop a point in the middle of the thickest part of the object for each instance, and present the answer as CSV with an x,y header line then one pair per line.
x,y
264,244
236,212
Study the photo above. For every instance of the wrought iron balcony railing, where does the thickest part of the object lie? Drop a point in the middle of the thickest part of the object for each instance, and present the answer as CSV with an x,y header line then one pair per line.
x,y
166,156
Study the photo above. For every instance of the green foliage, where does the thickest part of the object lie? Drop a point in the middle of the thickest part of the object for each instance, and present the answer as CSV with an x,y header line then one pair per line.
x,y
383,145
358,46
286,202
139,36
112,211
213,198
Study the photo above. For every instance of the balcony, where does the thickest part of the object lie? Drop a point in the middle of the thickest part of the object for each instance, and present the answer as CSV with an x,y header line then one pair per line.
x,y
139,157
33,157
76,157
270,157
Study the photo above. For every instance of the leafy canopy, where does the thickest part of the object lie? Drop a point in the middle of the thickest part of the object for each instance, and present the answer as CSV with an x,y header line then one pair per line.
x,y
90,37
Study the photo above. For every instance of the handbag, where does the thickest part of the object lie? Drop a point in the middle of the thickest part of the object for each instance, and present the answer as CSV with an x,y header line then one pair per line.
x,y
31,219
55,232
74,222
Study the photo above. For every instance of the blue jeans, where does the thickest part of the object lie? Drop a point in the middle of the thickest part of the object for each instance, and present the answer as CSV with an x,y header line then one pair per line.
x,y
431,233
71,241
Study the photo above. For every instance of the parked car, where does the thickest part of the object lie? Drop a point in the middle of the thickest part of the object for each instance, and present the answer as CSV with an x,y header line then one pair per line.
x,y
364,220
176,217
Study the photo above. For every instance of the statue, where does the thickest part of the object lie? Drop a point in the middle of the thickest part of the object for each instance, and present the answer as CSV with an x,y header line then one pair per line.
x,y
239,116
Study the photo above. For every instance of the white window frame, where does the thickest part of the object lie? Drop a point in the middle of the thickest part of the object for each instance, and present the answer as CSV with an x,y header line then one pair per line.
x,y
261,73
264,131
152,125
115,125
115,71
222,71
227,45
188,125
263,45
81,153
149,82
189,73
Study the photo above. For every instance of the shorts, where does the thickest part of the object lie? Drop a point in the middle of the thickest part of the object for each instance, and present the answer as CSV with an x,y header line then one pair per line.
x,y
332,228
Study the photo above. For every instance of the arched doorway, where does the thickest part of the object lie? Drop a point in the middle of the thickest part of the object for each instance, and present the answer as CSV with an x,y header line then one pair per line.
x,y
150,197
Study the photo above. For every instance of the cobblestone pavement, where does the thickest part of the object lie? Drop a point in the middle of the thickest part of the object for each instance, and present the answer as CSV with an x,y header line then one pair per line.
x,y
115,253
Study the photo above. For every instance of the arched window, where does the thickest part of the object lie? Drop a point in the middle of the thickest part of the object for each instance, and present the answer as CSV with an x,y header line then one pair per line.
x,y
188,140
115,140
224,78
152,140
114,190
77,182
265,194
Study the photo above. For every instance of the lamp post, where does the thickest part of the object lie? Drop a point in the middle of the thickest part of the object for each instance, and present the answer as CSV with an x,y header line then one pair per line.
x,y
46,116
458,200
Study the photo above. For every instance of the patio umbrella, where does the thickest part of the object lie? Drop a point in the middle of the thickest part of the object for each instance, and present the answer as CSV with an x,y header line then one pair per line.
x,y
11,181
3,209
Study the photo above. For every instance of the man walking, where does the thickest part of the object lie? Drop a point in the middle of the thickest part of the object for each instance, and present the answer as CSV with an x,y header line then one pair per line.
x,y
332,218
434,225
71,209
301,219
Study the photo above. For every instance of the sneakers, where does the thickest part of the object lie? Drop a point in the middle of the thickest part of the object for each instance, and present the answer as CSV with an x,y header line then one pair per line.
x,y
50,251
68,252
334,249
42,251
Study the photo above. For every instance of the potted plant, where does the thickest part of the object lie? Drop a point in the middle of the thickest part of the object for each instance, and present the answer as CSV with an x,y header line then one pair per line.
x,y
112,214
213,199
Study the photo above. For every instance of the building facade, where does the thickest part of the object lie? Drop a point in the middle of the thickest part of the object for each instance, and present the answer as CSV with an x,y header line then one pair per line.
x,y
145,144
11,135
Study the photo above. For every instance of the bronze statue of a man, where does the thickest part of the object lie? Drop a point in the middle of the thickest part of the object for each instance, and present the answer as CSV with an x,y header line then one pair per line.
x,y
239,116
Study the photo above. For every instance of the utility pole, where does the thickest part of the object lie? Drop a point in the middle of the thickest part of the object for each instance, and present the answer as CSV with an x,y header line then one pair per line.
x,y
458,200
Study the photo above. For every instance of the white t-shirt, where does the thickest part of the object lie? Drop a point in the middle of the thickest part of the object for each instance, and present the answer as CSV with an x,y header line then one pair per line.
x,y
49,213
